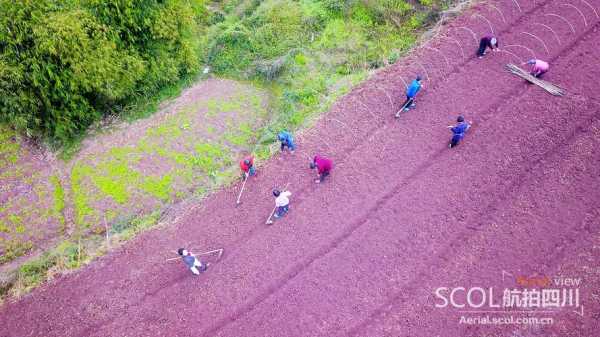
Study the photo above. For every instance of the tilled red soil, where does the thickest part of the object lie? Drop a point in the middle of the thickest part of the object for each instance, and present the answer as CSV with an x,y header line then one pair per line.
x,y
363,253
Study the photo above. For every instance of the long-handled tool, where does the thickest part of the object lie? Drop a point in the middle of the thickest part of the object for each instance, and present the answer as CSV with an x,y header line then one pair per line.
x,y
218,251
269,221
241,191
403,107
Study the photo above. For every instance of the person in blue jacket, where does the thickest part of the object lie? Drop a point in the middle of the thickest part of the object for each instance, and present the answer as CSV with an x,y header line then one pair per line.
x,y
458,131
286,140
411,92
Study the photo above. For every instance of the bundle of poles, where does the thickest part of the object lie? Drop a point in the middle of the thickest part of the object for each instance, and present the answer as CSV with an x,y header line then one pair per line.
x,y
549,87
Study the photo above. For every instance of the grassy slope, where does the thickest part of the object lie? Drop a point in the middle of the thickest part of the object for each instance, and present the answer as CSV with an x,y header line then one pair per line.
x,y
310,52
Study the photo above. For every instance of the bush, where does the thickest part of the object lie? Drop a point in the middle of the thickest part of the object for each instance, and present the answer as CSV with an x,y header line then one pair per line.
x,y
231,50
65,63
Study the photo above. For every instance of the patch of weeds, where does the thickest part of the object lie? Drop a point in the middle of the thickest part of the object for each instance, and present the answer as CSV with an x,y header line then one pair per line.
x,y
125,154
211,157
40,190
127,228
200,191
112,188
14,248
3,227
67,255
185,174
262,152
225,177
158,187
82,208
32,273
165,129
121,224
210,129
9,147
59,201
110,215
242,137
230,106
213,108
20,229
256,102
114,178
70,147
179,195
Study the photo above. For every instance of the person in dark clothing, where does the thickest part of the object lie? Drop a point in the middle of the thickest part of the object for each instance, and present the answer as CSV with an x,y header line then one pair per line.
x,y
458,131
190,260
486,42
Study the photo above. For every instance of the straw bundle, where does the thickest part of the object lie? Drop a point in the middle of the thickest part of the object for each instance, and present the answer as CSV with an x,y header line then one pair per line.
x,y
549,87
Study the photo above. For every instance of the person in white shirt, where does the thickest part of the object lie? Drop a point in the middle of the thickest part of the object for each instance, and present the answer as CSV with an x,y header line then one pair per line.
x,y
190,260
282,202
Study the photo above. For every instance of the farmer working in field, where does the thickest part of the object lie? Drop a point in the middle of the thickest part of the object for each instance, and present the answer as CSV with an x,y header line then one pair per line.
x,y
286,140
411,92
538,67
488,41
247,166
458,131
323,166
282,202
195,266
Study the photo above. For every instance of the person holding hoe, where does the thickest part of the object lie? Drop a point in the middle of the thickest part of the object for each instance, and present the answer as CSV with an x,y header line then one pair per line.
x,y
193,263
458,131
323,167
247,167
282,202
411,92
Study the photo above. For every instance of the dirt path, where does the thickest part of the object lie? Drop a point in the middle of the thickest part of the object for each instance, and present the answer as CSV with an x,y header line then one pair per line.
x,y
402,215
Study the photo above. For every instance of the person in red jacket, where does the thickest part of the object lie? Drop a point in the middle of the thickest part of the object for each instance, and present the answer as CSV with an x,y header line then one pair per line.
x,y
323,166
247,166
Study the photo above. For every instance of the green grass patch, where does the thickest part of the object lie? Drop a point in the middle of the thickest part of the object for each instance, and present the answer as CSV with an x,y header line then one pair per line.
x,y
80,192
9,147
14,248
59,201
159,187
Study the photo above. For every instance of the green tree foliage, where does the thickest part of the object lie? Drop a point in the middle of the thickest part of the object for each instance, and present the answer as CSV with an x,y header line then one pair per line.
x,y
63,63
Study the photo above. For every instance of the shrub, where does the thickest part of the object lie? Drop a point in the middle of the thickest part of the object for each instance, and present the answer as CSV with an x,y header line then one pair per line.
x,y
231,50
